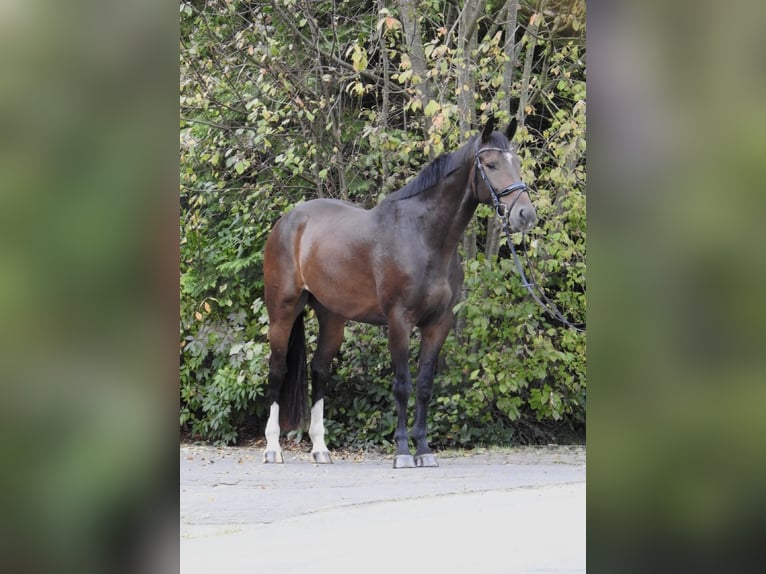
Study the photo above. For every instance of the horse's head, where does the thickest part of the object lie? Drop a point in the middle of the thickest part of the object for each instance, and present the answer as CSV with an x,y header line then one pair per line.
x,y
499,169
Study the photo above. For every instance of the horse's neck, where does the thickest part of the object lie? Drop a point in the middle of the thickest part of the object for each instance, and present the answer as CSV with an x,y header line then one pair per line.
x,y
439,215
451,205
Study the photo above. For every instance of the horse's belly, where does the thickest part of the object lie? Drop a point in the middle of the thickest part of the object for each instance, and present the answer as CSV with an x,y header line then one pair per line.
x,y
345,288
349,304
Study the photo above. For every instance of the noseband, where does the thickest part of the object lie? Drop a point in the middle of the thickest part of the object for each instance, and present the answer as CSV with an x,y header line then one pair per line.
x,y
503,211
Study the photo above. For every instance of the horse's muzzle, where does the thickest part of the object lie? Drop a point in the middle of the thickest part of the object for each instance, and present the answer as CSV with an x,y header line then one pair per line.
x,y
525,218
519,217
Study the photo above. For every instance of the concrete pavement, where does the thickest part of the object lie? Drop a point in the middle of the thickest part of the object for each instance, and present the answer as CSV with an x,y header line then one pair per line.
x,y
518,510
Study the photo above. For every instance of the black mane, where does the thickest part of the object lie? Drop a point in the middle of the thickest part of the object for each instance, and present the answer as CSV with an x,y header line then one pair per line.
x,y
441,167
428,177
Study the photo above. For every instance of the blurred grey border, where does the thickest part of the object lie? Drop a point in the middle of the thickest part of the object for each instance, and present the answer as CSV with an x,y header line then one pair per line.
x,y
89,286
676,336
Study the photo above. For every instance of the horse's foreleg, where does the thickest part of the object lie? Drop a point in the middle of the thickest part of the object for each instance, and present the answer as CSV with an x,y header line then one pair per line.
x,y
432,339
398,342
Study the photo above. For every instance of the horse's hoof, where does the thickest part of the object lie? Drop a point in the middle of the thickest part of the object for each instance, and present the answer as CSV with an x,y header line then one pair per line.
x,y
404,461
321,457
428,460
272,456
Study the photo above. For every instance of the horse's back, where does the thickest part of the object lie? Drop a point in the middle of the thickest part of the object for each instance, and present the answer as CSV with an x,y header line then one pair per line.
x,y
315,217
329,224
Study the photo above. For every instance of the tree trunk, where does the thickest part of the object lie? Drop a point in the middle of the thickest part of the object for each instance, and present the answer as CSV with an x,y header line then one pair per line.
x,y
524,95
408,14
494,228
385,103
467,107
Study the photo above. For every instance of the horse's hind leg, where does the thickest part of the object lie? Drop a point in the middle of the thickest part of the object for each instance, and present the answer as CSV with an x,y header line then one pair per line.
x,y
279,337
273,452
331,328
283,312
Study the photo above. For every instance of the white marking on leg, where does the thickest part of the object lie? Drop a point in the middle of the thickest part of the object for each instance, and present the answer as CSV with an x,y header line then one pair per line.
x,y
316,428
272,431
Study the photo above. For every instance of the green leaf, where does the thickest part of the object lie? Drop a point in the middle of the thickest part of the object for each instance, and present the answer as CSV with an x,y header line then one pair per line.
x,y
431,108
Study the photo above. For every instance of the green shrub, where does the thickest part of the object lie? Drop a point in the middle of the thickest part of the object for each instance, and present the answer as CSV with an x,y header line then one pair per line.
x,y
223,376
257,138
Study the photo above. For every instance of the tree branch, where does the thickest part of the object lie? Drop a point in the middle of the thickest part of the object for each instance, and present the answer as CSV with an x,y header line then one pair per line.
x,y
367,74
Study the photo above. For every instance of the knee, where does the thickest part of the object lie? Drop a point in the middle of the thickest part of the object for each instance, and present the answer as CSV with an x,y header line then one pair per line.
x,y
425,387
402,389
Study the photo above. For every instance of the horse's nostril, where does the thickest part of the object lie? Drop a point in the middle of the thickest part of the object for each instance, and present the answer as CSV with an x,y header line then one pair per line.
x,y
527,217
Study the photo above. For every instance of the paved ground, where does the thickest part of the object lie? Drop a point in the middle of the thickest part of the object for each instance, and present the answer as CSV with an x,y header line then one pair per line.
x,y
518,510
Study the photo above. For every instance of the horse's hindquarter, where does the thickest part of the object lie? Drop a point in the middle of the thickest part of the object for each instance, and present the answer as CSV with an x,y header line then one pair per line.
x,y
335,255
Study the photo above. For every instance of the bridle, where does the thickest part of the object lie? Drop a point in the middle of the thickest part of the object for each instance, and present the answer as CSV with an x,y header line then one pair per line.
x,y
504,213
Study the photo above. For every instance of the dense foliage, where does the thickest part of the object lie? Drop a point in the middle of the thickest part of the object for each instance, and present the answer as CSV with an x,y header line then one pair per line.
x,y
288,100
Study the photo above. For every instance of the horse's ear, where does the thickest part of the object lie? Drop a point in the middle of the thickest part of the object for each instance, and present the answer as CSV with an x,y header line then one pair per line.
x,y
511,129
488,128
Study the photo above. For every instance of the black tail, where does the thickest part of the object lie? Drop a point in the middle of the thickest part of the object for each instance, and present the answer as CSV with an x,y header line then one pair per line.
x,y
293,396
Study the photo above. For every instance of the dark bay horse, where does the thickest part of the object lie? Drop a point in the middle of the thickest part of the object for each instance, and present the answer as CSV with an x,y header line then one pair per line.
x,y
397,265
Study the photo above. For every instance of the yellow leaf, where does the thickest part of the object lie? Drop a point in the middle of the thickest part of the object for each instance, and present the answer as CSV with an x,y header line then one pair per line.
x,y
358,57
207,307
198,316
392,23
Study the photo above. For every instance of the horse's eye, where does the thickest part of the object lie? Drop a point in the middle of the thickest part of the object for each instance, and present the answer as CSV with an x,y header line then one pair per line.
x,y
491,165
